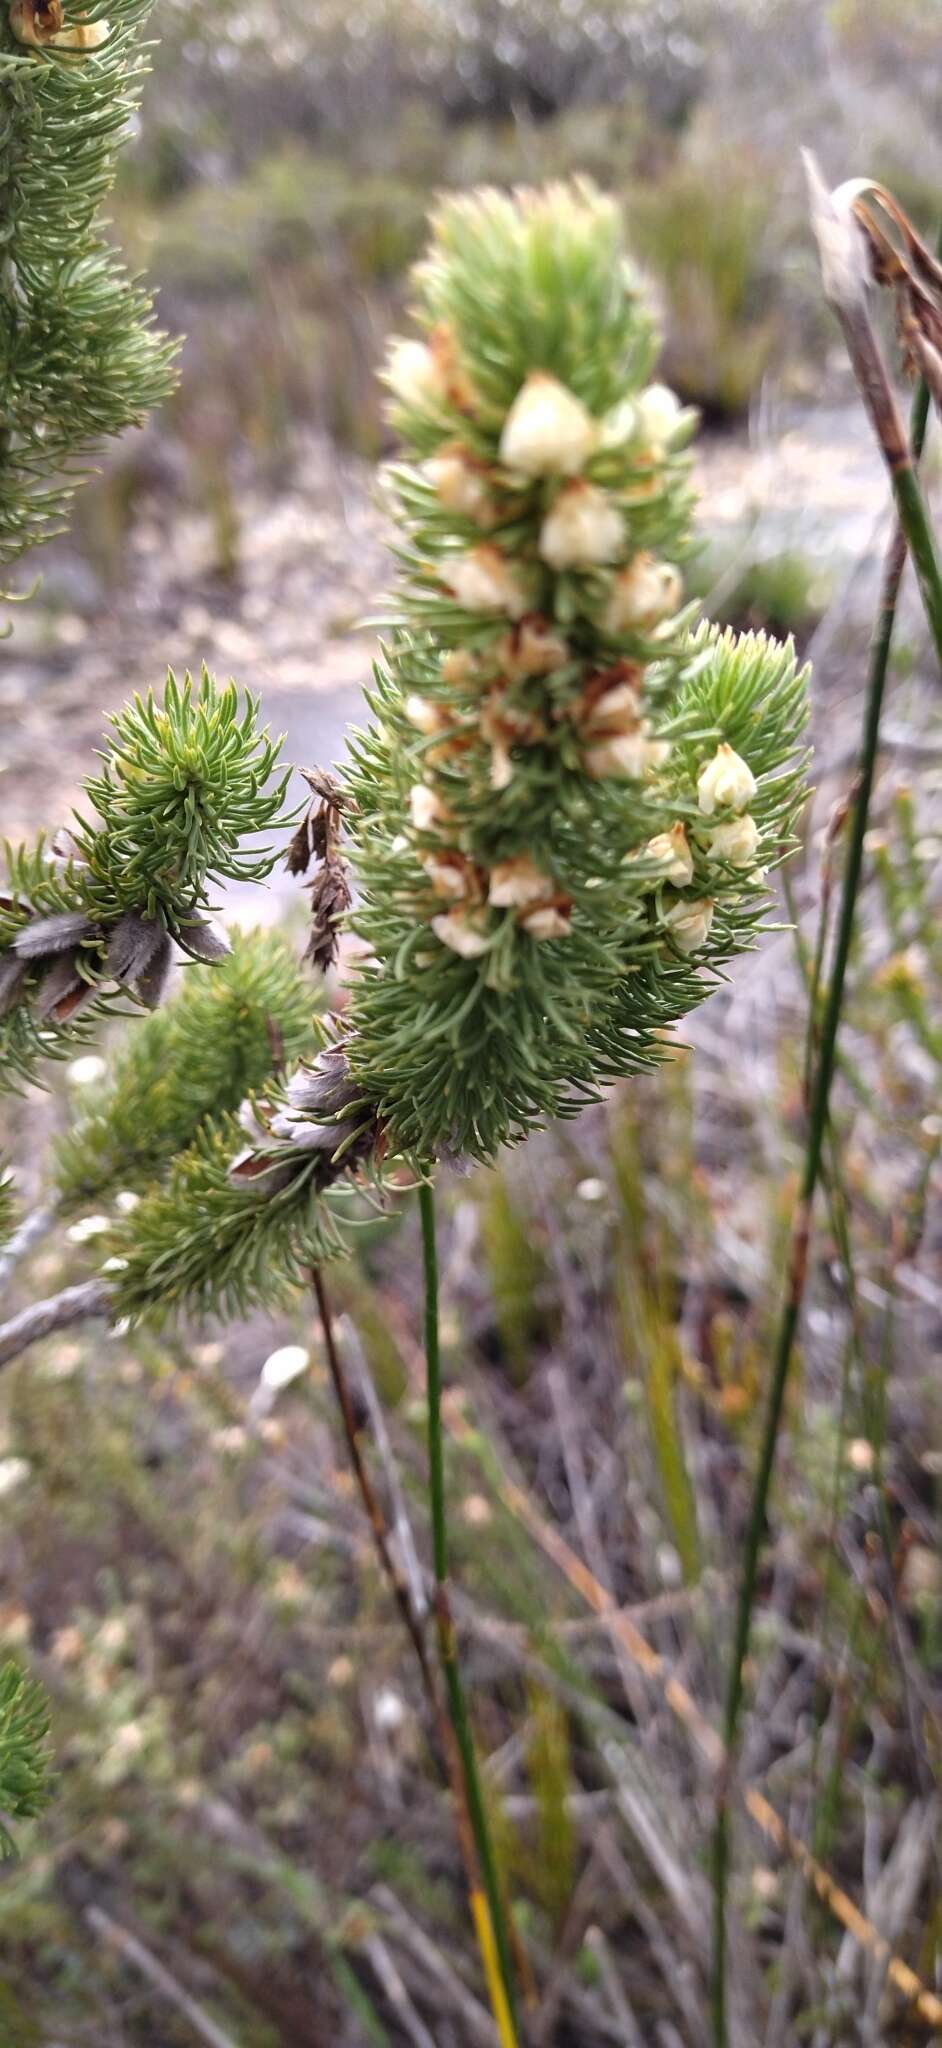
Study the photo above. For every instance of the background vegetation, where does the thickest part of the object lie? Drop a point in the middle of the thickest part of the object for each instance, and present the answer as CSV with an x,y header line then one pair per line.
x,y
247,1841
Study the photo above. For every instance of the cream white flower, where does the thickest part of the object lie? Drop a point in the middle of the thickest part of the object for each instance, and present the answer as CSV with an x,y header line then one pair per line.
x,y
616,711
642,594
582,530
532,649
659,412
426,809
425,714
450,875
455,929
485,581
735,844
515,883
726,781
462,667
459,486
629,755
689,923
414,374
547,921
672,852
548,431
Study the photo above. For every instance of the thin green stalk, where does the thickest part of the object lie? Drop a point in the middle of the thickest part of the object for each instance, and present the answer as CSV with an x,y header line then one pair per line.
x,y
801,1230
447,1643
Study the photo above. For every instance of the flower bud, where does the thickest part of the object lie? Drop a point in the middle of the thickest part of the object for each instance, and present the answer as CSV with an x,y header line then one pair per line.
x,y
642,594
485,581
426,809
735,844
628,755
425,714
617,710
460,486
518,882
725,782
40,24
672,852
658,417
548,431
547,921
531,649
413,374
689,924
582,530
451,874
455,929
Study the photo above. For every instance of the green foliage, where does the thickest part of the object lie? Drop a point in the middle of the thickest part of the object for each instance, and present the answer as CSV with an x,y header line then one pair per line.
x,y
79,354
198,1056
24,1759
7,1205
516,1271
94,915
210,1241
183,784
702,228
467,1050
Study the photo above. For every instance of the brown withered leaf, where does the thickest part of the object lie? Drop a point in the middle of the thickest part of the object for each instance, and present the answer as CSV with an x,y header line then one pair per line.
x,y
330,901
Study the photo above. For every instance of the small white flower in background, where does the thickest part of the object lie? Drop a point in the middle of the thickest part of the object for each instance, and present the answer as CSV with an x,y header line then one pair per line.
x,y
726,781
13,1471
87,1227
283,1366
515,883
670,1571
127,1201
389,1709
642,594
659,414
84,1072
459,486
672,852
455,930
450,875
426,809
735,843
591,1190
476,1510
689,924
583,530
413,373
112,1637
548,431
547,921
485,581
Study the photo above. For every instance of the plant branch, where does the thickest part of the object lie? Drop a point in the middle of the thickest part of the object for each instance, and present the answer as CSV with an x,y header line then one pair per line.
x,y
450,1755
43,1318
797,1264
489,1908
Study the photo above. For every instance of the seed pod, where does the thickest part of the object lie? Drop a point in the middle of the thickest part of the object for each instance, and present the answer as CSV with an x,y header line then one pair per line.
x,y
49,935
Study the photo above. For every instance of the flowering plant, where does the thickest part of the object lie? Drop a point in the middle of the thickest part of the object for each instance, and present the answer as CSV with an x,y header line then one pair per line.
x,y
565,809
